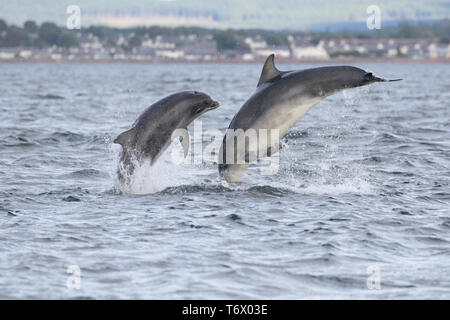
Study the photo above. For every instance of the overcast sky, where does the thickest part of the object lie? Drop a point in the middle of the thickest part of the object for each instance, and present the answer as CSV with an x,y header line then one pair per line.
x,y
273,14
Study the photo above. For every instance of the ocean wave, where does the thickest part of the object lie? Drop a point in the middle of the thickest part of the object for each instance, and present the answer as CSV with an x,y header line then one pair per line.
x,y
48,96
86,173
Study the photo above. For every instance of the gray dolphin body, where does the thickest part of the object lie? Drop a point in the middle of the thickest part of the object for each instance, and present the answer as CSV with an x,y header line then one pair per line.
x,y
280,100
158,125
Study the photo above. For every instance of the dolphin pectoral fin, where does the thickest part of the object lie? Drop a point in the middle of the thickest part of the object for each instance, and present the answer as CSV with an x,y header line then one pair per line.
x,y
183,133
269,71
125,137
185,142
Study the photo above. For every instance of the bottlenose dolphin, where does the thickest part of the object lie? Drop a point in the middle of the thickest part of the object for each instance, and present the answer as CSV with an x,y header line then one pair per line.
x,y
280,100
158,125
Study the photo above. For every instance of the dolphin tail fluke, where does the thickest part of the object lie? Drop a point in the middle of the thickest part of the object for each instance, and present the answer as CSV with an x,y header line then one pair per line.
x,y
124,137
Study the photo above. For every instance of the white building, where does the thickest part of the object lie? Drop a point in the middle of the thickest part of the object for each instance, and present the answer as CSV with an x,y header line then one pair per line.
x,y
170,54
279,52
25,54
308,51
311,52
7,55
255,44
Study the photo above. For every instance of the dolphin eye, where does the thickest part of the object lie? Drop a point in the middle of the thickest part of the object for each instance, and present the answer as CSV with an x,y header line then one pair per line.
x,y
198,109
368,76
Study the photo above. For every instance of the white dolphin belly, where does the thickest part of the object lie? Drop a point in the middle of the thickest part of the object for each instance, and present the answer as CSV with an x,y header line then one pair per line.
x,y
286,115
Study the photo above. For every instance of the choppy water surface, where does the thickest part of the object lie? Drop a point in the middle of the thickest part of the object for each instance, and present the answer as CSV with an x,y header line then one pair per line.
x,y
364,182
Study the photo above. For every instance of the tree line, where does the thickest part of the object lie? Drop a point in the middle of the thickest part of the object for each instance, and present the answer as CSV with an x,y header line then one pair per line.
x,y
33,35
48,34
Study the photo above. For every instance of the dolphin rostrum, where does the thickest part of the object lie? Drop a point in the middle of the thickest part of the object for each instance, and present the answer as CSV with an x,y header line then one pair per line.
x,y
280,100
158,125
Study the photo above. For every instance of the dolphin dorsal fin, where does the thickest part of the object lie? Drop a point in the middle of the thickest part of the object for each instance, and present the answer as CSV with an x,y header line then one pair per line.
x,y
125,137
269,71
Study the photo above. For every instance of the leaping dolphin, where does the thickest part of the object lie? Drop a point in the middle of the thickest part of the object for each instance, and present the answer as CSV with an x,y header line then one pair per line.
x,y
280,100
158,125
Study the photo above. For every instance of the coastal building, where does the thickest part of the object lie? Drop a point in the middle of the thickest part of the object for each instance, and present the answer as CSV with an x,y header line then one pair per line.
x,y
158,43
255,43
25,54
7,53
305,49
136,46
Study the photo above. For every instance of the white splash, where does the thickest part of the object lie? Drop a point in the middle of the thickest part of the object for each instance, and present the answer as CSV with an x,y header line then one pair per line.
x,y
147,179
358,186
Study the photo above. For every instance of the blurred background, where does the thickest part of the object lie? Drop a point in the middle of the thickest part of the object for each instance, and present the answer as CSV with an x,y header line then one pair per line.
x,y
229,30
